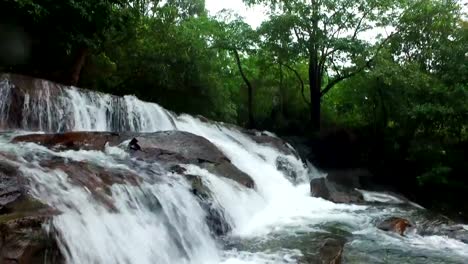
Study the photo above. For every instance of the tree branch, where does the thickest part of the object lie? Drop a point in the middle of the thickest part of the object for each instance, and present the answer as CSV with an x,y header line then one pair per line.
x,y
239,66
356,31
298,76
340,78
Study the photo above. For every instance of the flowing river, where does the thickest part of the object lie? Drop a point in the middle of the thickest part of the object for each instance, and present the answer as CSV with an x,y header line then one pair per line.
x,y
159,221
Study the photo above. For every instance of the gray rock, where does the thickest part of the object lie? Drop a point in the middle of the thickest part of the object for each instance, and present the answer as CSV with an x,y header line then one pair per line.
x,y
337,193
329,252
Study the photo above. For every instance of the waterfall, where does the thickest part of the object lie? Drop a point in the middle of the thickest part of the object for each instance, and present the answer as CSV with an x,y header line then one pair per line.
x,y
159,221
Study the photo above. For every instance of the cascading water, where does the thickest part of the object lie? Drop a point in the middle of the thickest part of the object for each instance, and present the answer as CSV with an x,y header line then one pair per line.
x,y
159,221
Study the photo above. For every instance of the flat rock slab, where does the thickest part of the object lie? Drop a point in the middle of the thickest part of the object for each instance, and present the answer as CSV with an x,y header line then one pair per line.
x,y
169,148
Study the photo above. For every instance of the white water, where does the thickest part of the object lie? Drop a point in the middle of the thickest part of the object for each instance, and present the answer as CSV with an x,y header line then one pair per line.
x,y
141,233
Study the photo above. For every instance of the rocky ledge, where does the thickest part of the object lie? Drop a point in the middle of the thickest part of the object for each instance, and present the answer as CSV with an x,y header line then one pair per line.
x,y
22,218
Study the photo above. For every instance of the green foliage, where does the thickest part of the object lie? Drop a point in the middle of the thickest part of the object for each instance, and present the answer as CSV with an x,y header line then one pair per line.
x,y
411,105
437,175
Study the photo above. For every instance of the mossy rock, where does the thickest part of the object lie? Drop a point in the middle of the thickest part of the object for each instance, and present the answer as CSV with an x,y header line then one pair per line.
x,y
24,207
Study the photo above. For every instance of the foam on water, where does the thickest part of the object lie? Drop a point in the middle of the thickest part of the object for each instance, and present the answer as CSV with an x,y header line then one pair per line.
x,y
150,222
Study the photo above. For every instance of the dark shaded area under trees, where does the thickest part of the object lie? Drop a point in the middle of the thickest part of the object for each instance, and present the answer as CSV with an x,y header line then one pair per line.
x,y
396,103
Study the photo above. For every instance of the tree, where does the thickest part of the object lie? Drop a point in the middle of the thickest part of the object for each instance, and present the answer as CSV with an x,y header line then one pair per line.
x,y
329,34
238,37
63,33
411,104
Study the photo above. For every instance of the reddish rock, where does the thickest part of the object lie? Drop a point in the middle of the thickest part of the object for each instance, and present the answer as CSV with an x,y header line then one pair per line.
x,y
395,224
72,140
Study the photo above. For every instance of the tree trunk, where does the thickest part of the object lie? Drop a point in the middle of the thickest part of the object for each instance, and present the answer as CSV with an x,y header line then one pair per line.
x,y
315,82
251,123
282,92
315,74
78,66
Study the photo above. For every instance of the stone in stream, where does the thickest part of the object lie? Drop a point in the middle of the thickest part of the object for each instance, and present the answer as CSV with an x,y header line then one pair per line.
x,y
22,237
330,252
432,224
395,224
215,218
335,192
11,188
283,165
267,139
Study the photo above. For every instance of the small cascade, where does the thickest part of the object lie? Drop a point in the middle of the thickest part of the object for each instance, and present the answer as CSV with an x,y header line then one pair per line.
x,y
51,107
151,215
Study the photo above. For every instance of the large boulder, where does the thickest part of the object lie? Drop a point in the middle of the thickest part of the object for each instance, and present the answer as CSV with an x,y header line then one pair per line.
x,y
177,147
352,178
340,186
170,148
270,140
431,224
335,192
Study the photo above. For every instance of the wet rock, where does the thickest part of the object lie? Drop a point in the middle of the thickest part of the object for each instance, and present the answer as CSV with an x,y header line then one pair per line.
x,y
438,225
267,139
340,186
352,178
301,145
189,146
457,232
24,240
94,178
283,165
172,148
22,236
395,224
11,188
329,252
229,171
215,218
72,140
169,147
337,193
